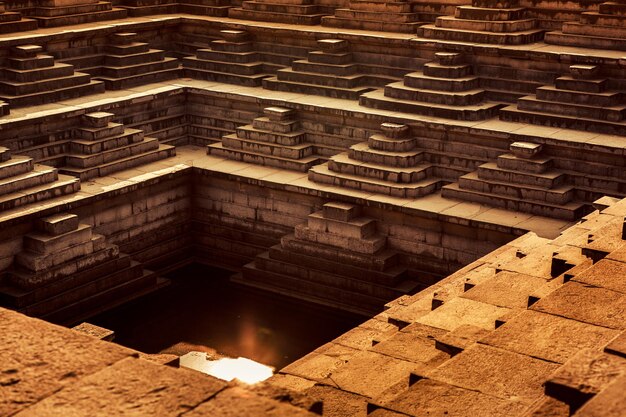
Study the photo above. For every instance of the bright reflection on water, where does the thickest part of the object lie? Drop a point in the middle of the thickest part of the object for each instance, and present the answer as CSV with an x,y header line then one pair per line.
x,y
227,369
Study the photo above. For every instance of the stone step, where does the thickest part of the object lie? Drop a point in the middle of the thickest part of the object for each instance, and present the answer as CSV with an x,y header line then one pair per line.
x,y
80,18
341,70
326,276
602,19
342,163
5,154
497,26
341,211
27,63
470,36
265,124
46,244
64,185
272,83
76,8
239,68
376,99
576,84
153,55
602,99
18,26
582,41
81,146
58,224
559,195
611,114
222,77
297,19
249,132
113,154
141,79
321,174
98,133
586,29
227,48
8,16
382,7
371,25
303,165
58,70
138,69
16,165
382,261
422,81
57,94
298,151
56,281
13,88
295,9
535,165
364,245
613,8
307,291
146,157
490,14
338,58
358,227
570,211
218,10
496,4
132,48
514,114
40,174
363,152
436,70
226,57
392,145
548,179
454,98
328,80
98,119
386,16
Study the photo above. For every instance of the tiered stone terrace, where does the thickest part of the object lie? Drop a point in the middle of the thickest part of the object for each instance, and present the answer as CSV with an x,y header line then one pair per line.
x,y
520,327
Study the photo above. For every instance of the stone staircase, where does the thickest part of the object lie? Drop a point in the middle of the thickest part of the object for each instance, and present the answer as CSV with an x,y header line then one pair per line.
x,y
430,10
53,13
375,15
389,163
13,22
446,88
275,139
582,100
338,259
602,29
23,182
128,62
501,22
31,77
329,72
205,7
231,59
522,180
298,12
101,147
65,271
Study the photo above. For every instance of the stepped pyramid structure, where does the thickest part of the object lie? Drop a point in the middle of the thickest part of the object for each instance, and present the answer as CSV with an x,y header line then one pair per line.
x,y
377,15
231,59
53,13
602,29
128,62
363,275
101,147
502,22
389,163
583,100
64,270
329,72
31,77
300,12
24,182
13,22
444,88
275,139
522,180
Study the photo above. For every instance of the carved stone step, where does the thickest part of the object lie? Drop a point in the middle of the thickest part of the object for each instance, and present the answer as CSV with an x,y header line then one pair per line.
x,y
366,244
39,175
56,94
113,154
437,70
46,244
264,123
420,80
239,68
298,151
292,138
302,165
489,14
454,98
491,172
10,88
97,133
64,185
16,165
359,227
611,114
373,25
297,19
341,70
363,152
498,26
459,35
57,70
342,163
536,165
273,83
603,99
386,144
576,84
245,80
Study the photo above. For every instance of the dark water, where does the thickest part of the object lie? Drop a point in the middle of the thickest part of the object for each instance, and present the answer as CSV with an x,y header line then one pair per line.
x,y
202,309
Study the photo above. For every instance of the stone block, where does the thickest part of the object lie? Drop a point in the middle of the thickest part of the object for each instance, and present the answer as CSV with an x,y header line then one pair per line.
x,y
333,45
95,331
234,35
584,72
26,51
279,114
525,149
341,211
58,224
98,119
394,130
